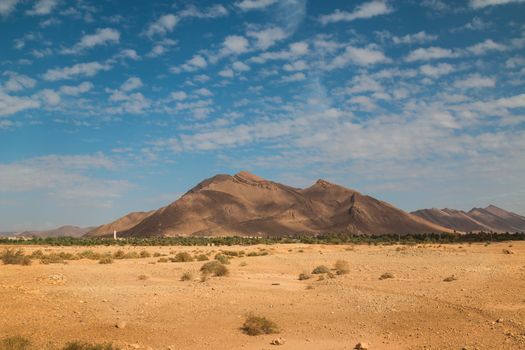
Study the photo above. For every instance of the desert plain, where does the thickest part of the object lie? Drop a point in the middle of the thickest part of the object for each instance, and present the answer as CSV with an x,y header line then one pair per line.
x,y
143,303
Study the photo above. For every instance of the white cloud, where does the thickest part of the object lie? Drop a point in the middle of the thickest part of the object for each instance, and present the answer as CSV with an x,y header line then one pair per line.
x,y
43,7
50,97
178,95
129,53
17,82
214,11
294,51
162,26
294,77
267,37
7,6
247,5
486,46
76,90
367,10
417,38
195,63
430,53
475,81
485,3
203,92
234,45
296,66
240,66
132,83
80,69
359,56
102,36
364,83
13,104
226,73
435,71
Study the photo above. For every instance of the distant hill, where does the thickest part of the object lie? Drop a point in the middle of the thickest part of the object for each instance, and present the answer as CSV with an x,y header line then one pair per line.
x,y
486,219
121,224
63,231
247,205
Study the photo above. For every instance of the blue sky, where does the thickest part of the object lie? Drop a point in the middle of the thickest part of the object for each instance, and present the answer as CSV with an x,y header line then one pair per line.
x,y
108,107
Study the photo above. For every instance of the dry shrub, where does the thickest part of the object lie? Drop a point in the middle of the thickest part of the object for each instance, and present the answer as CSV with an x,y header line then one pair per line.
x,y
106,260
143,277
15,343
256,325
320,269
223,259
15,257
342,267
386,275
89,254
450,278
86,346
214,268
182,257
186,276
144,254
303,276
202,257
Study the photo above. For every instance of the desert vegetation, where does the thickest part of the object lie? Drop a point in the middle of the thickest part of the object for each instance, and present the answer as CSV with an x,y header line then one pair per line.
x,y
256,325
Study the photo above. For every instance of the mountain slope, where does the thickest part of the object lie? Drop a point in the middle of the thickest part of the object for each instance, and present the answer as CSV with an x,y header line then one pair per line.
x,y
121,224
486,219
63,231
245,204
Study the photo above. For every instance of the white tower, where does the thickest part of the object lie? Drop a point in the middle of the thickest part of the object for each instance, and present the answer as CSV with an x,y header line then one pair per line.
x,y
114,234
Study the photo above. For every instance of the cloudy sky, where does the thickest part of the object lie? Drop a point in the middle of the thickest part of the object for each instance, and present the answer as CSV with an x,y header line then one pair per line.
x,y
114,106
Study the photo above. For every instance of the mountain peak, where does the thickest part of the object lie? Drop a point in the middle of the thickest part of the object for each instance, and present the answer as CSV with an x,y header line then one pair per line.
x,y
245,175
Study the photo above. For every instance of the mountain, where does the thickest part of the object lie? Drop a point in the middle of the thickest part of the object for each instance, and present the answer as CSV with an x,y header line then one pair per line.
x,y
63,231
247,205
486,219
121,224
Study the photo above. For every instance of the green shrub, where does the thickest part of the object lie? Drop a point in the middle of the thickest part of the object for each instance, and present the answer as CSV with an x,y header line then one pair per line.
x,y
87,346
255,325
320,269
182,257
214,268
106,260
15,257
15,343
342,267
223,259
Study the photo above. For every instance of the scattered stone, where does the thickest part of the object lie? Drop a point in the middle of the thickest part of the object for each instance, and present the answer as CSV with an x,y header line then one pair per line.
x,y
121,325
499,320
361,346
278,341
507,251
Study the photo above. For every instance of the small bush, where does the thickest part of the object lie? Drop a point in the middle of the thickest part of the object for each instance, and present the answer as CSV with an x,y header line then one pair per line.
x,y
87,346
214,268
144,254
386,275
89,254
182,257
119,254
163,260
156,254
52,258
37,254
256,325
450,278
186,276
143,277
303,276
15,257
15,343
320,269
223,259
202,257
106,260
342,267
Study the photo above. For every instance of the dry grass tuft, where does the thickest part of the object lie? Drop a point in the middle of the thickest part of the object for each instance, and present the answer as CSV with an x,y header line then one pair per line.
x,y
15,343
214,268
256,325
342,267
320,269
15,257
386,275
186,276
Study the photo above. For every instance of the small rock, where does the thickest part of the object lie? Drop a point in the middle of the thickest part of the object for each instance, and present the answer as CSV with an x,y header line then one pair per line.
x,y
361,346
499,320
121,325
278,341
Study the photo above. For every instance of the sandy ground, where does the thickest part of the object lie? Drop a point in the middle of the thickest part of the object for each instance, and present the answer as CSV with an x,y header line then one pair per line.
x,y
83,300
